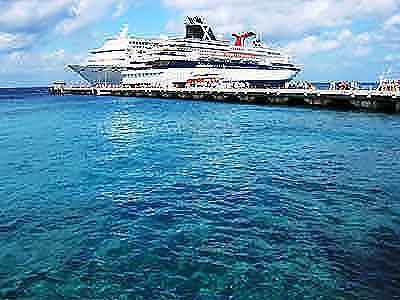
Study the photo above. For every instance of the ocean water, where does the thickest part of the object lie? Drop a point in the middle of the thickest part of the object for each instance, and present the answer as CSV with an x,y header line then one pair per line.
x,y
124,198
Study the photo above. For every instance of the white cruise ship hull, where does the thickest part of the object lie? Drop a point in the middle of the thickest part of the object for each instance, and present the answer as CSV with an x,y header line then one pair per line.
x,y
165,77
99,74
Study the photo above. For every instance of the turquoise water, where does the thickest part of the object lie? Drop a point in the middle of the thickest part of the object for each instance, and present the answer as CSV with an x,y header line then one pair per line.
x,y
123,198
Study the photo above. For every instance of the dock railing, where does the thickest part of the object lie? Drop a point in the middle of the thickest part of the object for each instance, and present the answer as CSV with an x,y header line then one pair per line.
x,y
374,100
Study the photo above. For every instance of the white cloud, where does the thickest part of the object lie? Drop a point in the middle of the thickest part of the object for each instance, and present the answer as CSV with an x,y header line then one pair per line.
x,y
25,15
120,8
289,17
37,61
31,15
14,41
307,27
24,21
85,12
392,58
27,25
28,68
392,22
32,68
356,44
310,45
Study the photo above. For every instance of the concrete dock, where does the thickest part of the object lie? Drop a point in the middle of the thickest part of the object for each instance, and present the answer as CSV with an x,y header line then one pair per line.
x,y
370,100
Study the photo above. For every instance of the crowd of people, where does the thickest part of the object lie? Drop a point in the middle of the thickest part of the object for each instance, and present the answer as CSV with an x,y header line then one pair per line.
x,y
344,85
388,85
302,85
202,82
383,85
106,85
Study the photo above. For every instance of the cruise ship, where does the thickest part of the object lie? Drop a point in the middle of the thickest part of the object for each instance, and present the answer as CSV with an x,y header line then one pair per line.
x,y
106,64
197,58
200,57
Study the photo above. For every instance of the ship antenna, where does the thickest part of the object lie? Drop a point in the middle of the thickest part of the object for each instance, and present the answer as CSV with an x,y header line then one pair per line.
x,y
124,32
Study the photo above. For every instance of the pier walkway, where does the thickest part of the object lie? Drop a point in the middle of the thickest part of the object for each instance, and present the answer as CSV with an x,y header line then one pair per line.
x,y
351,99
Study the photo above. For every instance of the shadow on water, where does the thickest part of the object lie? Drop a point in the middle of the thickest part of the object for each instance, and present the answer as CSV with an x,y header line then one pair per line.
x,y
370,268
214,261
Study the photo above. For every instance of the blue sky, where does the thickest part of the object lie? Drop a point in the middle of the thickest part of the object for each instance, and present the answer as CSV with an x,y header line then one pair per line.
x,y
333,39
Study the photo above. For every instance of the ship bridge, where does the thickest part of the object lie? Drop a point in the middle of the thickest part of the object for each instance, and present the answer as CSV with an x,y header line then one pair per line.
x,y
197,28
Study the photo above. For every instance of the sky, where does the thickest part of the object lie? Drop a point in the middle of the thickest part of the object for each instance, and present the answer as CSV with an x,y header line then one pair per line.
x,y
332,39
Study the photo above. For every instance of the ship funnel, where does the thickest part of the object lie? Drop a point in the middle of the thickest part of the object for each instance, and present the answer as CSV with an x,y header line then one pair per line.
x,y
241,37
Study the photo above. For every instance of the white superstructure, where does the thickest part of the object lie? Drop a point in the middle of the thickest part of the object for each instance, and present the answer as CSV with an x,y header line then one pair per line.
x,y
199,56
106,64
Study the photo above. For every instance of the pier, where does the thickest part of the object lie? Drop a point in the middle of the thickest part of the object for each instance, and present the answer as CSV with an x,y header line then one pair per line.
x,y
370,100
